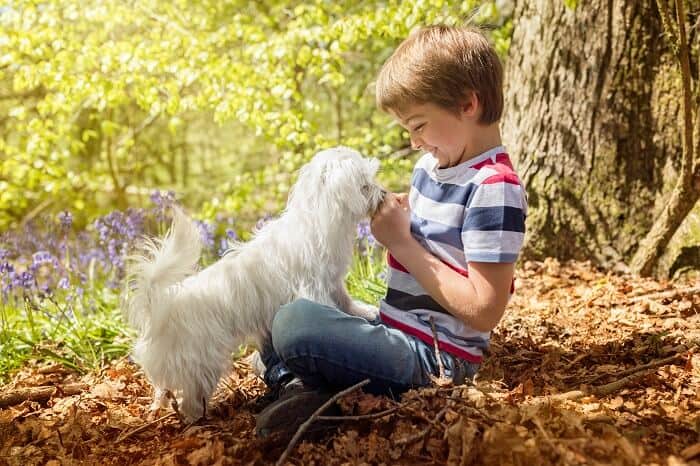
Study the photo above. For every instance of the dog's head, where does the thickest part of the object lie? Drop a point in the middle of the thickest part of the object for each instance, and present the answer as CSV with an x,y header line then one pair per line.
x,y
338,179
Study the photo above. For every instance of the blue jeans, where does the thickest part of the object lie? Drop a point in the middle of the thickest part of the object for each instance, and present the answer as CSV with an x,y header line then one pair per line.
x,y
326,347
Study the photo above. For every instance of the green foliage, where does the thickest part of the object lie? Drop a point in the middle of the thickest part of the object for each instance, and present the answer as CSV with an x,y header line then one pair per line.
x,y
366,281
81,335
99,102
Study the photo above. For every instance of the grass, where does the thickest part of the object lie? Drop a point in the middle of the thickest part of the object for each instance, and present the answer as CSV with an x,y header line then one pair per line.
x,y
82,335
87,332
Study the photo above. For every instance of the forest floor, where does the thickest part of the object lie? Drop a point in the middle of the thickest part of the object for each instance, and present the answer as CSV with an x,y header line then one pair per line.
x,y
587,367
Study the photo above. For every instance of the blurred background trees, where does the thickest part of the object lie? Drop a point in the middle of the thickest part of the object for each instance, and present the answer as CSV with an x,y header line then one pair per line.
x,y
220,101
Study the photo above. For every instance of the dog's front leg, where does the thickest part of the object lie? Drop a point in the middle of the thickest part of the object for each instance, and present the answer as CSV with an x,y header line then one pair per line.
x,y
160,400
345,303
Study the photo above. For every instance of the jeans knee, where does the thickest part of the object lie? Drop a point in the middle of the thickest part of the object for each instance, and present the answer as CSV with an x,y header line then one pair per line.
x,y
289,324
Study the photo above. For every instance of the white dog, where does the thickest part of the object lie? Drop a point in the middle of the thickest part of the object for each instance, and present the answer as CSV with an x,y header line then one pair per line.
x,y
189,322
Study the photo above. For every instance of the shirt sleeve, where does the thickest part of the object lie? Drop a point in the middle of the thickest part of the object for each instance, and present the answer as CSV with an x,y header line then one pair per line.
x,y
494,223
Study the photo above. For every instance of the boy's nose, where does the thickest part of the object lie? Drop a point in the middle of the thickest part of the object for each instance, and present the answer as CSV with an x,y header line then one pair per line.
x,y
416,143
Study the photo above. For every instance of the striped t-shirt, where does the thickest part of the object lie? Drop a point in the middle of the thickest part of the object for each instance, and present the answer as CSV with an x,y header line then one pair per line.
x,y
472,212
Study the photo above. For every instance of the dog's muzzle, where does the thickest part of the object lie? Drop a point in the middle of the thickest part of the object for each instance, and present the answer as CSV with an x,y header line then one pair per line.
x,y
382,195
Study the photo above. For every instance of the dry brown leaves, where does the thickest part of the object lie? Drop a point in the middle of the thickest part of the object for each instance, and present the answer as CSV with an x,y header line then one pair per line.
x,y
569,328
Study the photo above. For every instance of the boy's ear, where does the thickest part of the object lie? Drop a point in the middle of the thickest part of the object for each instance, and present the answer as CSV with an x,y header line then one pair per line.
x,y
470,105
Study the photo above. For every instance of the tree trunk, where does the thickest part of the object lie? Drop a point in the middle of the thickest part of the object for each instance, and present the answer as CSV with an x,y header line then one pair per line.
x,y
593,121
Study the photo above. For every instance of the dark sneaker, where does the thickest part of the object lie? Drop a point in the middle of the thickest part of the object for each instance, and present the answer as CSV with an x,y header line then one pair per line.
x,y
286,385
296,403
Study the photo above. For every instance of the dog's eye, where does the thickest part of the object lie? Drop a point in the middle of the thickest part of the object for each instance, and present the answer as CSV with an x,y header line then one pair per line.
x,y
365,189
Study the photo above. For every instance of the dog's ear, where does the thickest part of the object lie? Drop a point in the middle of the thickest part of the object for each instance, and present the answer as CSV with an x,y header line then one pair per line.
x,y
307,182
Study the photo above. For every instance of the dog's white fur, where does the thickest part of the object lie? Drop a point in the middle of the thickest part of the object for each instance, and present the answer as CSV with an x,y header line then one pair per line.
x,y
189,322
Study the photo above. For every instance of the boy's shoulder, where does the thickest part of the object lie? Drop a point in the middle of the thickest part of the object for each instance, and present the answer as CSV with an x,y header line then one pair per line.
x,y
495,169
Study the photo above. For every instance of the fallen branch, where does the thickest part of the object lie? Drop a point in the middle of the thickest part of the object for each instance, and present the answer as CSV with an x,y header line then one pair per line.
x,y
143,427
424,432
42,393
600,391
314,416
433,423
607,389
365,417
440,380
665,294
611,387
632,370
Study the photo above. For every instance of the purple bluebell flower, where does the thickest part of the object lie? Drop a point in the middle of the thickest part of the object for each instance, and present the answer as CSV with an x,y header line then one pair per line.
x,y
365,238
63,283
262,221
363,229
25,280
6,268
223,247
45,290
206,231
40,258
162,201
65,218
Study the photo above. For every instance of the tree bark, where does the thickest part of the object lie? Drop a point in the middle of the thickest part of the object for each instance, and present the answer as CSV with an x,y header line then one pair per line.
x,y
687,191
593,121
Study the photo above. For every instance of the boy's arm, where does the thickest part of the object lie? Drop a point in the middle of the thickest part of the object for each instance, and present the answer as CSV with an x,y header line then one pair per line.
x,y
478,300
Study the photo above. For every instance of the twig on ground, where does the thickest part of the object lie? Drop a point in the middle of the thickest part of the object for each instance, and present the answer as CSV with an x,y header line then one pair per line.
x,y
665,294
601,390
431,423
441,380
143,427
52,369
42,393
609,388
604,390
362,417
314,416
474,410
424,432
632,370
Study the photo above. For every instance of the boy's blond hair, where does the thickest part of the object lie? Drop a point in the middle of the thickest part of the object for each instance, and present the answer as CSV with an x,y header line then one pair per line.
x,y
441,65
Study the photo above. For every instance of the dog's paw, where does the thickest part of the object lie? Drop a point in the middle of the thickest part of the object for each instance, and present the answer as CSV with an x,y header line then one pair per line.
x,y
191,411
364,310
160,400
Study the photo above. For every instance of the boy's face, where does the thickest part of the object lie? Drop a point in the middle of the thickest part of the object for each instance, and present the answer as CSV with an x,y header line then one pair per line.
x,y
444,134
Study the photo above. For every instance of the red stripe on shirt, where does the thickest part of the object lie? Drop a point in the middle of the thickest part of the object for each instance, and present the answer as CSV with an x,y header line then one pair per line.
x,y
503,168
427,338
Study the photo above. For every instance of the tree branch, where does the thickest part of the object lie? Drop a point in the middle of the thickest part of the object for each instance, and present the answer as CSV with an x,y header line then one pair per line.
x,y
314,416
687,190
39,393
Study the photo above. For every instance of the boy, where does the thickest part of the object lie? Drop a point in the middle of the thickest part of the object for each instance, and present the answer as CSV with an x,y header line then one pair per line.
x,y
452,241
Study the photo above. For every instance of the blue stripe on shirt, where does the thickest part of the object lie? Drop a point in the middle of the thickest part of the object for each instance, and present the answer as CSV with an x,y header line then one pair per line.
x,y
500,218
441,192
435,231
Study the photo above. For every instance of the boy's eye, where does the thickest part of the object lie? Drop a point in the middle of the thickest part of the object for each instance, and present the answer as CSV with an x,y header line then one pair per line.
x,y
419,127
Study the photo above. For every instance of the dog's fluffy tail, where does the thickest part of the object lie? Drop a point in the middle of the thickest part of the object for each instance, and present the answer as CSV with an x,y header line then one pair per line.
x,y
161,264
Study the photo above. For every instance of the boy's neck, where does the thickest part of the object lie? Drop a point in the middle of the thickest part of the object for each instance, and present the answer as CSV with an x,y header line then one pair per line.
x,y
485,138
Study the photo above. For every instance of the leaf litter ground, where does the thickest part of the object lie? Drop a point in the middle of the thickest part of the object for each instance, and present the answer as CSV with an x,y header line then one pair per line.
x,y
587,367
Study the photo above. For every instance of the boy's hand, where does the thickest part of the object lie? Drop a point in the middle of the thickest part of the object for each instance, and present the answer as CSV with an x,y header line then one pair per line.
x,y
391,224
